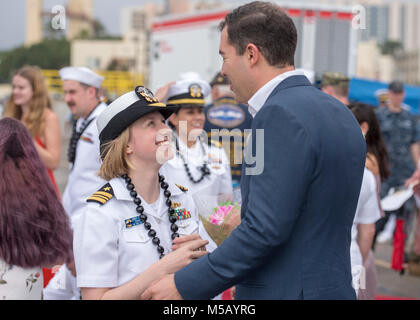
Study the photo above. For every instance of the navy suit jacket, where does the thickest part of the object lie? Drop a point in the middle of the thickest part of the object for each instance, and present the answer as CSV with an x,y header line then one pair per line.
x,y
294,238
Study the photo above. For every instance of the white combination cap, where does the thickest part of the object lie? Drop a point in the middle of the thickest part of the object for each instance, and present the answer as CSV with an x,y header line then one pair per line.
x,y
83,75
191,90
125,110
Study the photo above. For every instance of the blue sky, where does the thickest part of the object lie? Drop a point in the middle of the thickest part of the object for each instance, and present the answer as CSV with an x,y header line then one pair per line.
x,y
12,17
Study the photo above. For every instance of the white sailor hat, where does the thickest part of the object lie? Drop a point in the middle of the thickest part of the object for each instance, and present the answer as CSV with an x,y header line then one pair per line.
x,y
125,110
81,74
190,90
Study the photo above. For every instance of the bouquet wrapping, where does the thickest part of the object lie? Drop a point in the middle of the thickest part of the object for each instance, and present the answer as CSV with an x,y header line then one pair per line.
x,y
218,216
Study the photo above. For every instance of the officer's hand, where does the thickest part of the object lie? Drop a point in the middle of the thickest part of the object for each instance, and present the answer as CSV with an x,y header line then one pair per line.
x,y
161,93
181,241
178,259
164,289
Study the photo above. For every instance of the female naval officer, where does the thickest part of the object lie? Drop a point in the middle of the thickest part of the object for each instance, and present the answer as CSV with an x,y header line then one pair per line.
x,y
123,241
201,167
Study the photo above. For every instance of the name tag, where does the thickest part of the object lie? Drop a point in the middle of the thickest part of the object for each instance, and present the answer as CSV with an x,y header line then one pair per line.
x,y
131,222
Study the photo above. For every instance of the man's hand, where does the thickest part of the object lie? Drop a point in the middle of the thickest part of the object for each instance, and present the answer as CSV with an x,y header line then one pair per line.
x,y
164,289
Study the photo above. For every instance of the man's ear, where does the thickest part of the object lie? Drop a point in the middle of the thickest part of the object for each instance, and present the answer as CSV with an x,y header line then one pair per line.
x,y
252,53
92,92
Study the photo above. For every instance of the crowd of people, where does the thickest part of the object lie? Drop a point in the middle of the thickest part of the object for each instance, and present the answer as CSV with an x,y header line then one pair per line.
x,y
127,225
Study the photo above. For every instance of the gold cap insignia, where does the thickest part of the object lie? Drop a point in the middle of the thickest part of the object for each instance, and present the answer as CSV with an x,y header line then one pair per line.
x,y
146,94
195,91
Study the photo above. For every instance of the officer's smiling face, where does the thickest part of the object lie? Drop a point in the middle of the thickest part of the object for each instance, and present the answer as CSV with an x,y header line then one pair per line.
x,y
189,121
235,68
149,140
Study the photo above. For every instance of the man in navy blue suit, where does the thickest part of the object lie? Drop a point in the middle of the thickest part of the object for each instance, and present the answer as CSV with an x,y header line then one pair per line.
x,y
297,211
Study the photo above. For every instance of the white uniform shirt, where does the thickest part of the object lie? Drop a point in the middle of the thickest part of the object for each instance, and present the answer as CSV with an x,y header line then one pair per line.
x,y
367,212
219,182
83,178
108,253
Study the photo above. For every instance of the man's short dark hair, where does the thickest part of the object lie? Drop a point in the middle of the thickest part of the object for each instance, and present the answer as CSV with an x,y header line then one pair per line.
x,y
396,86
265,25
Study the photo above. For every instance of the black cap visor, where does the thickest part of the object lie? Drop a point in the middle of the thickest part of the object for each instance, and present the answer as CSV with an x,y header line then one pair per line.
x,y
128,116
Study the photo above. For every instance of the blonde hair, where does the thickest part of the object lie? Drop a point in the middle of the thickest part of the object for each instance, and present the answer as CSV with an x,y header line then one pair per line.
x,y
40,101
115,161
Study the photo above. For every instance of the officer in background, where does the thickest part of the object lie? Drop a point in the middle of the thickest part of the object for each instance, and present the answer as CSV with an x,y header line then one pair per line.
x,y
200,167
226,113
81,88
81,92
401,136
336,85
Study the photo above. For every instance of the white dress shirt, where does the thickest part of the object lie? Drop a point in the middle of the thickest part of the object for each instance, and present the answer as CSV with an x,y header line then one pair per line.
x,y
260,97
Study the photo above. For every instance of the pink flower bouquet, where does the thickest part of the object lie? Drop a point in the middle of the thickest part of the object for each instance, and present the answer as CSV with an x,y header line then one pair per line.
x,y
222,221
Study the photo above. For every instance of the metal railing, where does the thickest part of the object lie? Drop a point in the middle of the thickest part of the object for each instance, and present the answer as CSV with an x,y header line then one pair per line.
x,y
115,83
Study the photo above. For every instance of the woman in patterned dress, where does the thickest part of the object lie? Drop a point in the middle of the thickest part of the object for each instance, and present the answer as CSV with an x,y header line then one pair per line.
x,y
35,230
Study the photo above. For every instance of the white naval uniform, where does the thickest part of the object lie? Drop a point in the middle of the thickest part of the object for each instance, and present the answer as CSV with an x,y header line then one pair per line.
x,y
83,178
219,182
109,251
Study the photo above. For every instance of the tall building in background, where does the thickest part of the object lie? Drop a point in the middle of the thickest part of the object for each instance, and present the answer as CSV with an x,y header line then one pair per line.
x,y
395,21
80,14
33,28
131,53
135,28
389,20
179,6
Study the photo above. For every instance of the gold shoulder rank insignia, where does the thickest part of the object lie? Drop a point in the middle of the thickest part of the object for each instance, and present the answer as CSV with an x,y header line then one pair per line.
x,y
216,143
103,195
182,188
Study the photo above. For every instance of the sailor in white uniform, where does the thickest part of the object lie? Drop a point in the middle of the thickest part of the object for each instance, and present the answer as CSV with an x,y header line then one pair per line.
x,y
81,93
203,168
123,241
